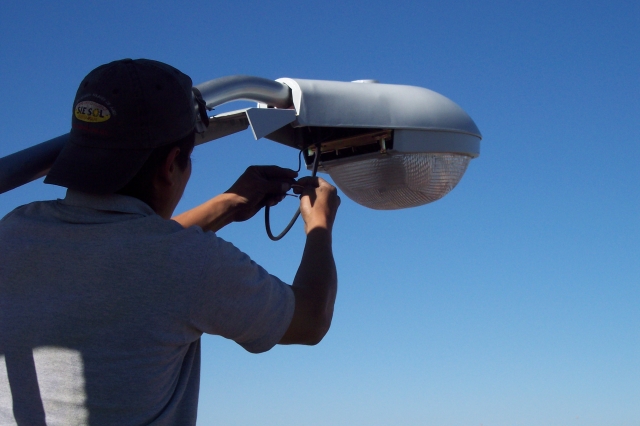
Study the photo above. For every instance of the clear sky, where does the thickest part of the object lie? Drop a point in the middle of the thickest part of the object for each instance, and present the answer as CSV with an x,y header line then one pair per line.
x,y
514,300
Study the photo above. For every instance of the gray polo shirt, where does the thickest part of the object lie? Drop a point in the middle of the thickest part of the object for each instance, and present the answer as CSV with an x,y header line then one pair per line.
x,y
102,305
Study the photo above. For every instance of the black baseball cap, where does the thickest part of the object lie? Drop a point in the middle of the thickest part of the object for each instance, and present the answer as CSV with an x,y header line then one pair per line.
x,y
122,111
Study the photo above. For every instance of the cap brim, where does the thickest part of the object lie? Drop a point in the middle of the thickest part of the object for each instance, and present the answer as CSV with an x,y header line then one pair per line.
x,y
95,170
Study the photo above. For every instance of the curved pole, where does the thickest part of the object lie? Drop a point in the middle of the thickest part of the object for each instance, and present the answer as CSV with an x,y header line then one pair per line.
x,y
235,87
32,163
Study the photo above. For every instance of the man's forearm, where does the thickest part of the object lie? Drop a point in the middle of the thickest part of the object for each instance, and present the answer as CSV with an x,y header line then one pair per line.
x,y
315,287
211,215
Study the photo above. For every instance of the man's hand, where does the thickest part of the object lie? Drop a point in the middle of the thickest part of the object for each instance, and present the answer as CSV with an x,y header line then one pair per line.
x,y
259,186
319,202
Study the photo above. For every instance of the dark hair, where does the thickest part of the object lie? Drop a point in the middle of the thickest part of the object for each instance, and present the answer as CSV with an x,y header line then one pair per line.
x,y
141,185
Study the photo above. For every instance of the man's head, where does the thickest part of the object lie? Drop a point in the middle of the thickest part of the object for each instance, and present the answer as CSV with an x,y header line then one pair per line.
x,y
123,112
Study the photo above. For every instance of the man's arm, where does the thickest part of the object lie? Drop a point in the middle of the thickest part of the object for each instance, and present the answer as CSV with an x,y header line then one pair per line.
x,y
257,187
316,282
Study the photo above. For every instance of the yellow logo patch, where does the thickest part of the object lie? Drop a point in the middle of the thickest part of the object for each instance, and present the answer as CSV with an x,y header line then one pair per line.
x,y
91,112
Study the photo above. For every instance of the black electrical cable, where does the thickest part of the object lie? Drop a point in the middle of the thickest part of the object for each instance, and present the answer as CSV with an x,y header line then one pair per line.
x,y
295,216
300,160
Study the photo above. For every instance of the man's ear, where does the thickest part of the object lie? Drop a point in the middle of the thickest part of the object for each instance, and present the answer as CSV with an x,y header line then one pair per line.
x,y
169,166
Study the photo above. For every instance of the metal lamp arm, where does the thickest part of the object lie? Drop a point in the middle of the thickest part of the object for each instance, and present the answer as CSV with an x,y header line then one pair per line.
x,y
235,87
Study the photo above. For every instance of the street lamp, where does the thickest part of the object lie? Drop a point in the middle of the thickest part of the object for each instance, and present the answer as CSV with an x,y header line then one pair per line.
x,y
385,146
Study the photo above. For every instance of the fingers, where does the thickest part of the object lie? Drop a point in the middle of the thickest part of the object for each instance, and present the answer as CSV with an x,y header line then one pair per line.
x,y
309,181
275,199
274,187
275,172
273,179
305,183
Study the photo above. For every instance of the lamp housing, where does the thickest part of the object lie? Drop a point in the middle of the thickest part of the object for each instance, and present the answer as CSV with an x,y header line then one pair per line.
x,y
385,146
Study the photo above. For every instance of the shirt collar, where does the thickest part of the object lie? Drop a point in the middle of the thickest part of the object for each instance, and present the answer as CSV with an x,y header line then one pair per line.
x,y
110,202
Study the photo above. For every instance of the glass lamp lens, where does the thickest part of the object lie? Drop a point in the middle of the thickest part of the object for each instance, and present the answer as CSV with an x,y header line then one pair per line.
x,y
399,180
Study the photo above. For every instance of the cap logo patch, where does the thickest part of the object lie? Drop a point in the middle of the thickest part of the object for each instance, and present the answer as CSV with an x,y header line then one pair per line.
x,y
91,112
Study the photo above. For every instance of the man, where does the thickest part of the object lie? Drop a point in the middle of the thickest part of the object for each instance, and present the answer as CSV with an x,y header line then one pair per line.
x,y
103,298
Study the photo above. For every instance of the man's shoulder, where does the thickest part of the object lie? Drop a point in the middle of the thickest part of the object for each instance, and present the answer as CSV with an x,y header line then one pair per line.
x,y
33,208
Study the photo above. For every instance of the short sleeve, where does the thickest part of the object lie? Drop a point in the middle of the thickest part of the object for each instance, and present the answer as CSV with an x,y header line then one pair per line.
x,y
239,300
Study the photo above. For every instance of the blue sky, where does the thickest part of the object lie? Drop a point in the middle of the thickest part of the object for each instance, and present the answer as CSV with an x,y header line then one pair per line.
x,y
511,301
